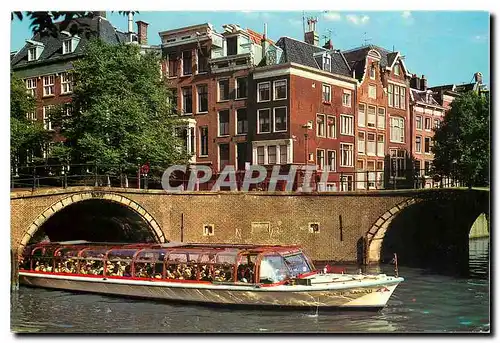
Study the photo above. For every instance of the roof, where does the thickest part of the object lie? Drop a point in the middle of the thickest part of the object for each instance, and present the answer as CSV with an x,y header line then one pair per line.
x,y
356,58
424,96
257,37
97,27
299,52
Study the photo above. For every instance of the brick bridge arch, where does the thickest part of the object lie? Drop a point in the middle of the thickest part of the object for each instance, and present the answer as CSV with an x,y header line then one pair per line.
x,y
85,196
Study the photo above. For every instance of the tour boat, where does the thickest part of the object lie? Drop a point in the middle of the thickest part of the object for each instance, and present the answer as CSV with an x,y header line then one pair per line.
x,y
218,274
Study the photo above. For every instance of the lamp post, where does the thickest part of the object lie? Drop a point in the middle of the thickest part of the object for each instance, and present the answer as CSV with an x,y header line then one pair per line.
x,y
307,127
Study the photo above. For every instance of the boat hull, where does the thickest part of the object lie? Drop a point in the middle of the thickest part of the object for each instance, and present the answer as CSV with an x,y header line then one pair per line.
x,y
365,297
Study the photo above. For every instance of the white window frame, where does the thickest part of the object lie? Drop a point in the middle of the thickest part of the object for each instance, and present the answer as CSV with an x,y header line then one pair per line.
x,y
69,48
396,69
198,98
274,119
380,150
371,120
417,121
321,167
379,116
343,119
275,97
436,124
48,85
31,115
280,148
327,59
323,88
200,140
183,97
31,84
219,92
401,120
236,88
350,157
258,120
318,125
371,144
418,148
372,72
32,54
276,154
430,146
372,91
66,80
402,97
396,96
328,131
425,124
361,143
346,98
228,122
236,121
390,95
264,155
362,115
47,124
330,166
258,91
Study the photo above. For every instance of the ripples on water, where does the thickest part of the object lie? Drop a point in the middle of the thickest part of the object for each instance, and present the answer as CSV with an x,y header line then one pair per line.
x,y
425,302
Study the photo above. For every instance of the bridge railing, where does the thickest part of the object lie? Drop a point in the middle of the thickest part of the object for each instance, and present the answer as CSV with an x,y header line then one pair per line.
x,y
62,176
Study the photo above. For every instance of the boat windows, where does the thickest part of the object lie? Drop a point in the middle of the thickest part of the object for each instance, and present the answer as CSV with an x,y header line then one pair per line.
x,y
273,269
297,264
149,264
245,272
119,262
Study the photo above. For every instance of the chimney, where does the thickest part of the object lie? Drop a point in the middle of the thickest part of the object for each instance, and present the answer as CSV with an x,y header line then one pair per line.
x,y
415,82
142,32
311,36
101,14
423,83
478,77
328,45
130,22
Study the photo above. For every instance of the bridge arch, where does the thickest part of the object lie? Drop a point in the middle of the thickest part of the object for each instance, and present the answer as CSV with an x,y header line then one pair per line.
x,y
56,207
375,236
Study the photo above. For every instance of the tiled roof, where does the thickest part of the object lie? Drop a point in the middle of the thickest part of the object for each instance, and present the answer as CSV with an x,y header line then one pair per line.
x,y
356,58
257,37
97,26
303,53
424,96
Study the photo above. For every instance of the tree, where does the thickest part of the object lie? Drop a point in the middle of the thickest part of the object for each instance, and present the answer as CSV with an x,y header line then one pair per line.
x,y
25,135
121,113
462,143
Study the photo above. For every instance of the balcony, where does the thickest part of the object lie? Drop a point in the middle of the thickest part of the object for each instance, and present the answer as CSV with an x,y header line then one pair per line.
x,y
231,63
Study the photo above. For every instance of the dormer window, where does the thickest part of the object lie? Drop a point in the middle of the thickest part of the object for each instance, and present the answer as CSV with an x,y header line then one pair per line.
x,y
232,45
396,69
35,49
327,62
67,46
69,43
32,54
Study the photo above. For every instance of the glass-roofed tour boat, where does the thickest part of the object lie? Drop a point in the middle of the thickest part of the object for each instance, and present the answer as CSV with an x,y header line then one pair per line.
x,y
221,274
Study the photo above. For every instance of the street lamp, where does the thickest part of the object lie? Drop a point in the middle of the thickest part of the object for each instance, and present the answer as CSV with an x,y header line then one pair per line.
x,y
307,127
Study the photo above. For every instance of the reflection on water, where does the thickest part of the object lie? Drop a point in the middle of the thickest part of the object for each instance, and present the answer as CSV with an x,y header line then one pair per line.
x,y
426,302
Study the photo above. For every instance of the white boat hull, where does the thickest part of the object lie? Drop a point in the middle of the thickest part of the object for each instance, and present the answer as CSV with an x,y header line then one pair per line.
x,y
360,294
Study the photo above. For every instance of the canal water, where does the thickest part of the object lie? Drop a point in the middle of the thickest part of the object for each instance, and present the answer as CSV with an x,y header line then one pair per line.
x,y
433,301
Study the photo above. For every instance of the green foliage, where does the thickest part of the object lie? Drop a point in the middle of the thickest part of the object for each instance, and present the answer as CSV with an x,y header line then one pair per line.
x,y
462,144
24,134
121,113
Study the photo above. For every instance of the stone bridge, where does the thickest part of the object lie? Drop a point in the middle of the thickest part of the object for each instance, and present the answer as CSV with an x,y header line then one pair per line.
x,y
350,226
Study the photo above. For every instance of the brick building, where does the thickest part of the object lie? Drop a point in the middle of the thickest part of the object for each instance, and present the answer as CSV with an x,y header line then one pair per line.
x,y
45,62
382,130
426,115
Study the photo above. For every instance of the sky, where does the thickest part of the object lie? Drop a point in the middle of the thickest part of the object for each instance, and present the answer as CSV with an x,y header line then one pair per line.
x,y
445,46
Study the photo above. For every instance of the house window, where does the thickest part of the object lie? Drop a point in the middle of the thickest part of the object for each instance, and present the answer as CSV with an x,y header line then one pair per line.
x,y
436,123
187,63
372,72
187,100
326,62
223,155
346,154
396,96
396,69
332,160
172,100
241,121
202,60
67,46
418,144
427,145
331,127
31,116
264,118
320,159
48,85
372,116
346,99
320,125
390,92
370,165
417,168
380,145
428,124
260,155
47,124
347,183
66,83
372,91
172,65
204,141
279,119
362,115
418,122
360,175
232,45
208,230
224,123
346,125
397,130
361,142
427,168
241,88
370,144
402,97
31,87
271,154
202,98
381,118
263,93
398,162
280,90
32,54
283,154
223,87
327,95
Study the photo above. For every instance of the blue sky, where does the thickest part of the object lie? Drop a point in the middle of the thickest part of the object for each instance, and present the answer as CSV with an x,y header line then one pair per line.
x,y
448,47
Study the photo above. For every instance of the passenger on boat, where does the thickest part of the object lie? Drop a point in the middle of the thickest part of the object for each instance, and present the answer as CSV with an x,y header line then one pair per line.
x,y
128,271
